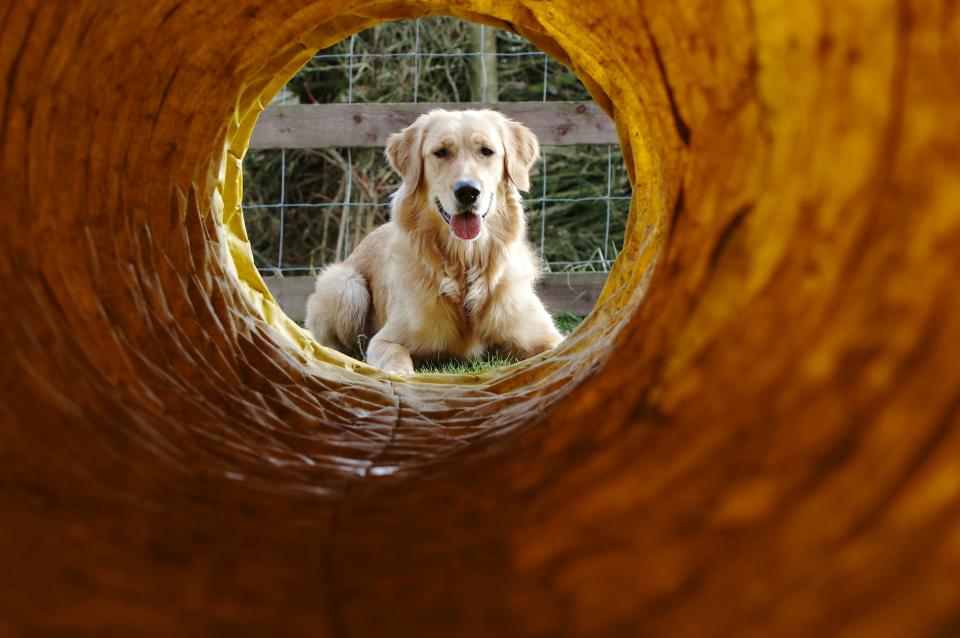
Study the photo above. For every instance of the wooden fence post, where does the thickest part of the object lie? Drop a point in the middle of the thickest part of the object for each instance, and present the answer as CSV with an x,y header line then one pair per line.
x,y
484,85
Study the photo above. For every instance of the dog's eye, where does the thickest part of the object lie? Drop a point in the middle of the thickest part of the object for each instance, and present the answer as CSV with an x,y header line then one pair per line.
x,y
442,153
486,152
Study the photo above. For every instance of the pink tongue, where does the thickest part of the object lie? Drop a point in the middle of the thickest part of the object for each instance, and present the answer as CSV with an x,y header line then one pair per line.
x,y
466,226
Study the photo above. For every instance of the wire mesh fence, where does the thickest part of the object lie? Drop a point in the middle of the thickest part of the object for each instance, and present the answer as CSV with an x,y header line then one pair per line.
x,y
305,208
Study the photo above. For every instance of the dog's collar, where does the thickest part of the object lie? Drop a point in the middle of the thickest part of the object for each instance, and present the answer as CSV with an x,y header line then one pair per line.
x,y
447,217
443,213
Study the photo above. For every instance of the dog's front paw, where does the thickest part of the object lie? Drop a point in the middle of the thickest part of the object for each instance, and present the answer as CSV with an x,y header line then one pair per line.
x,y
390,357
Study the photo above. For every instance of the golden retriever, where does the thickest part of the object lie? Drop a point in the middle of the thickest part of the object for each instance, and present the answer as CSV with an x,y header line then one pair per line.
x,y
451,276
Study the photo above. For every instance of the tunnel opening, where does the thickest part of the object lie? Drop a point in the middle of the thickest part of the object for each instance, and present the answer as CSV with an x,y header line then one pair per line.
x,y
630,266
316,181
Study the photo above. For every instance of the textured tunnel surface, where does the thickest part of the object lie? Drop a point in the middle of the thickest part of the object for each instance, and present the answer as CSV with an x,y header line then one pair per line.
x,y
756,433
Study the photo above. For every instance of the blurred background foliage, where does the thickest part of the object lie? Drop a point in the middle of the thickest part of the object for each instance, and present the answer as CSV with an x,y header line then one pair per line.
x,y
380,69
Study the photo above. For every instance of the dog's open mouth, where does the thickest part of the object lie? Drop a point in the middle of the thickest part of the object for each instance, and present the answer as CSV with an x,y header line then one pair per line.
x,y
464,225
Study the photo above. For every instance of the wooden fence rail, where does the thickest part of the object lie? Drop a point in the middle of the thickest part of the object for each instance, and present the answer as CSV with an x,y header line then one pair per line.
x,y
369,125
561,292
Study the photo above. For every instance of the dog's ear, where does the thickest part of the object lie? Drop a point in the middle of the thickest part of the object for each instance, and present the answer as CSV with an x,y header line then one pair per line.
x,y
521,151
404,154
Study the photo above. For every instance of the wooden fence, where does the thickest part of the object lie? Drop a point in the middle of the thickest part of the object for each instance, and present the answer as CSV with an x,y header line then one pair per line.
x,y
369,125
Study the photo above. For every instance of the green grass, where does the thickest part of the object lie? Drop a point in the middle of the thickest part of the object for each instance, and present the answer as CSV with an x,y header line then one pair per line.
x,y
565,324
472,366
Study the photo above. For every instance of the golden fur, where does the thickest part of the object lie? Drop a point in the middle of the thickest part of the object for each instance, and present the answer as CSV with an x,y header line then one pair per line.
x,y
416,286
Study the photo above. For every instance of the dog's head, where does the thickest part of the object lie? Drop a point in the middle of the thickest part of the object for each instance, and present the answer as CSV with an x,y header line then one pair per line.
x,y
460,164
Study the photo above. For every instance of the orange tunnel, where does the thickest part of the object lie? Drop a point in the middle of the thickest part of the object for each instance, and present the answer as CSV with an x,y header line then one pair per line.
x,y
756,433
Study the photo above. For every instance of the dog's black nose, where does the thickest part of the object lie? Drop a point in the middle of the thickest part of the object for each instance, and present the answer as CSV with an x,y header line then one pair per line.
x,y
466,191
